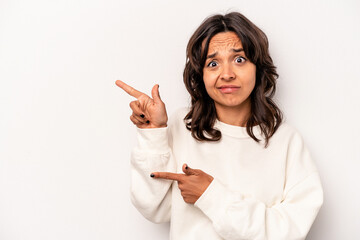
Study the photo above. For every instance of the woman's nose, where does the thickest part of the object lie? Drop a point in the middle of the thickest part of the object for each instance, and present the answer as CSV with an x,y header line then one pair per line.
x,y
227,73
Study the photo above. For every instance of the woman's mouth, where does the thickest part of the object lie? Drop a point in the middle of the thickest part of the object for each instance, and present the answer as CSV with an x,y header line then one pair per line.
x,y
228,88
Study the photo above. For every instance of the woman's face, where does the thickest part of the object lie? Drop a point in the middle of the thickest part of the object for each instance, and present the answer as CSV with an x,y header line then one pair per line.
x,y
228,75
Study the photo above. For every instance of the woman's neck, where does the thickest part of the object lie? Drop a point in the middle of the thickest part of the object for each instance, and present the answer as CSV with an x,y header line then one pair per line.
x,y
236,116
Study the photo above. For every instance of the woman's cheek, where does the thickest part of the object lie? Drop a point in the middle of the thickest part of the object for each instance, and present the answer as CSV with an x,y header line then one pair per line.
x,y
209,90
209,78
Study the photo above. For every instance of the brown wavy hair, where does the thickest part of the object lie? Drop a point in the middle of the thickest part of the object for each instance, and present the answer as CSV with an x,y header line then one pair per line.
x,y
202,115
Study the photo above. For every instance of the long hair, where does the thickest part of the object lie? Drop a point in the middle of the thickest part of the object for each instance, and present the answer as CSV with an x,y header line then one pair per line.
x,y
202,115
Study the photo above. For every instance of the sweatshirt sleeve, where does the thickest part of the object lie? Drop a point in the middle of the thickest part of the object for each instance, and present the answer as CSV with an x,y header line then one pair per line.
x,y
235,216
153,154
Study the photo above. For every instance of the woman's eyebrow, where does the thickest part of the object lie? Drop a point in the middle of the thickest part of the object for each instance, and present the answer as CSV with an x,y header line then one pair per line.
x,y
238,50
234,50
211,55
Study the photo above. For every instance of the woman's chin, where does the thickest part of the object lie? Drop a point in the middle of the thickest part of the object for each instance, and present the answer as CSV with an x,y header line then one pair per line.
x,y
231,105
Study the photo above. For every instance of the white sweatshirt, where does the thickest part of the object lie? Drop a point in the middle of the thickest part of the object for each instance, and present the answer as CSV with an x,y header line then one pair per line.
x,y
270,193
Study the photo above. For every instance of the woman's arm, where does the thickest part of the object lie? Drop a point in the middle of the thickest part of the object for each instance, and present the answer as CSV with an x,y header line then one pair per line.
x,y
235,216
152,198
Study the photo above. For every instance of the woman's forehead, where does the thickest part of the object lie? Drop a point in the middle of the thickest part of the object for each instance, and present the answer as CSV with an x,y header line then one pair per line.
x,y
224,41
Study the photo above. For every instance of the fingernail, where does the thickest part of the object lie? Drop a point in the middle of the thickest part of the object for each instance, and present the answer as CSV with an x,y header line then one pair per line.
x,y
142,115
147,121
152,175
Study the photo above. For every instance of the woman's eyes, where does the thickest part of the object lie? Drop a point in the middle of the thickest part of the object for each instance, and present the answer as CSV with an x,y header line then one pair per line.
x,y
212,64
238,59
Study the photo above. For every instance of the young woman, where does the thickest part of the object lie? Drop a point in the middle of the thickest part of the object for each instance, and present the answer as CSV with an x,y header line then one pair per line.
x,y
228,167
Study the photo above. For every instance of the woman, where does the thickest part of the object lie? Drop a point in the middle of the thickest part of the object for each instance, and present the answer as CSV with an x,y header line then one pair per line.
x,y
228,167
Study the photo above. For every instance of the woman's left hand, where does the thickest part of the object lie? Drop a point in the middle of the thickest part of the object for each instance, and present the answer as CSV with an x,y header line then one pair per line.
x,y
192,184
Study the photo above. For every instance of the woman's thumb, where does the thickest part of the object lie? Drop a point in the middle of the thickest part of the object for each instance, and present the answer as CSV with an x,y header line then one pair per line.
x,y
155,93
187,170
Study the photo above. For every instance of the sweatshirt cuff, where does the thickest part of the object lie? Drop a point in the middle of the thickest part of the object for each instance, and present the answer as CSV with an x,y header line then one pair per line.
x,y
213,199
153,139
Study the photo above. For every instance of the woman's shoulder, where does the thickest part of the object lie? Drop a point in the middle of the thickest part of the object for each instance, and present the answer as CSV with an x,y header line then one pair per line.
x,y
176,123
297,153
287,131
177,117
287,128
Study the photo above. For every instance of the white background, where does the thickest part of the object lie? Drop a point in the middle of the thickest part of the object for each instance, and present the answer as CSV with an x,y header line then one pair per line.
x,y
65,133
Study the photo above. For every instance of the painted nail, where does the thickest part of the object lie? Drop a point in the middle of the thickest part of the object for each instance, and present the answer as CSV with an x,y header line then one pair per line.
x,y
142,115
147,121
152,175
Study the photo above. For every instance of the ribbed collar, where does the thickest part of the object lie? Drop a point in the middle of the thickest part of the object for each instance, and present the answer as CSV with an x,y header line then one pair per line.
x,y
236,131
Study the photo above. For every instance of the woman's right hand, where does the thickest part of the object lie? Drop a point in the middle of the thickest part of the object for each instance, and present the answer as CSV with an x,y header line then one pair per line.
x,y
147,112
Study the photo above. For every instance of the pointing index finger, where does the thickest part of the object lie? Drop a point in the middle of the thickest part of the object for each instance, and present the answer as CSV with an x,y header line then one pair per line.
x,y
169,175
130,90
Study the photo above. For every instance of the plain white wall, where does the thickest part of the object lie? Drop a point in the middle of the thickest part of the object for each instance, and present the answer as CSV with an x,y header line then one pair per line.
x,y
65,133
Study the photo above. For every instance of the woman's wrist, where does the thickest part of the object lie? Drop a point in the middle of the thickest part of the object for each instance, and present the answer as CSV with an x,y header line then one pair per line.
x,y
152,125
